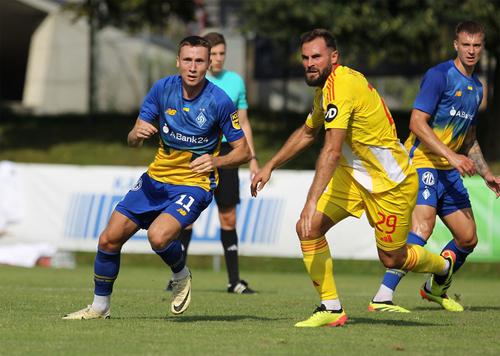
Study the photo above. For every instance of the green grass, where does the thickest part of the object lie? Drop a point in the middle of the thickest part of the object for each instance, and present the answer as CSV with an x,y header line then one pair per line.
x,y
33,300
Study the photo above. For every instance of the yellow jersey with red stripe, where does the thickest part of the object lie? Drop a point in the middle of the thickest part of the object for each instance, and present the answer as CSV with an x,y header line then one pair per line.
x,y
371,152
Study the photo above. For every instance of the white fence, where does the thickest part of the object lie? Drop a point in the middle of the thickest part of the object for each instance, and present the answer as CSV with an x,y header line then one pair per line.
x,y
68,206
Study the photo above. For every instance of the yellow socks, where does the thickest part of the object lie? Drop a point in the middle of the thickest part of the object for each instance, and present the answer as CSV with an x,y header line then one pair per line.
x,y
319,265
421,260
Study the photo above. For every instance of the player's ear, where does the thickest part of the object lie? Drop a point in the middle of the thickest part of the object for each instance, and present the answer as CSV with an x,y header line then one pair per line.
x,y
334,57
455,44
177,62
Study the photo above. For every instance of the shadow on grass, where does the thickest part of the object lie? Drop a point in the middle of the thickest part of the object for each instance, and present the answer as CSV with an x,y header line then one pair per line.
x,y
392,322
194,318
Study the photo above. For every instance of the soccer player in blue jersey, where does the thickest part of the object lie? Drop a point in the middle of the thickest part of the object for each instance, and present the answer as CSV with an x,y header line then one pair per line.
x,y
443,147
192,115
227,193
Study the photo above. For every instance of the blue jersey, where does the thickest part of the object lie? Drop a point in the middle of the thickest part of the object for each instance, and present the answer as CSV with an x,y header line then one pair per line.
x,y
452,100
188,129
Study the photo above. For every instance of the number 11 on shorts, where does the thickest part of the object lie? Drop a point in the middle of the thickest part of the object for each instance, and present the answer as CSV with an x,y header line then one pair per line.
x,y
181,202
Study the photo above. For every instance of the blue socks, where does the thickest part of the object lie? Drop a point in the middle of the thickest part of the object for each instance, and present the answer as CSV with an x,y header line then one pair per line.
x,y
392,277
461,255
106,267
173,256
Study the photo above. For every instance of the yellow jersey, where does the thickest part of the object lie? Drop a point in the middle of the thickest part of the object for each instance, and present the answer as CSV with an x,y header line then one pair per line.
x,y
371,153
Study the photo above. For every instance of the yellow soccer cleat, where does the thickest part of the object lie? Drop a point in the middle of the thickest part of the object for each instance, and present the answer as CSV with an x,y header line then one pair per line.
x,y
437,292
323,317
181,295
443,300
386,307
86,314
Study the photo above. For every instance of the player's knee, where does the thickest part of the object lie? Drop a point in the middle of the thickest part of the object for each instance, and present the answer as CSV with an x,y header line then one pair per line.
x,y
313,234
108,243
159,239
392,260
468,242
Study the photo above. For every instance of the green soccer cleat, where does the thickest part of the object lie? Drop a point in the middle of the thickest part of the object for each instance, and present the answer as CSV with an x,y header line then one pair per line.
x,y
386,307
86,314
443,300
181,295
437,292
323,317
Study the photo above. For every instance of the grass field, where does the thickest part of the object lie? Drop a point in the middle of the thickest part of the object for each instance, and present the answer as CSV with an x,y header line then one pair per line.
x,y
33,300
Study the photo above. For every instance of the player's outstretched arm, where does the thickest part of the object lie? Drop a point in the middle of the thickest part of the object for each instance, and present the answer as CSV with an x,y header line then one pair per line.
x,y
141,131
420,127
302,138
247,129
239,154
473,150
325,166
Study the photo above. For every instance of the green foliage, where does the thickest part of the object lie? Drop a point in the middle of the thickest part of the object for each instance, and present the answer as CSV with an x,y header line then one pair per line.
x,y
135,14
409,32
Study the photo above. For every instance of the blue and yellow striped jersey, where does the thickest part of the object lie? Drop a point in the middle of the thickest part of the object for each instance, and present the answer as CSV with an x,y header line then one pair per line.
x,y
452,100
188,129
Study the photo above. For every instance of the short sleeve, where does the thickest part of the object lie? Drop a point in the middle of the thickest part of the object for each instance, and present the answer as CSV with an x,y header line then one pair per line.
x,y
315,118
150,108
431,89
229,121
241,101
339,109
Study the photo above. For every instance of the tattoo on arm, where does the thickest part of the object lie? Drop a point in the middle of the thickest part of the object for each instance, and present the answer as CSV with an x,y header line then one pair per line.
x,y
476,155
469,141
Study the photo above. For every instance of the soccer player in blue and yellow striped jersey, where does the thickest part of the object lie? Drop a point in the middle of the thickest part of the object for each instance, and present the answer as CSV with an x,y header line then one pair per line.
x,y
362,167
192,115
443,146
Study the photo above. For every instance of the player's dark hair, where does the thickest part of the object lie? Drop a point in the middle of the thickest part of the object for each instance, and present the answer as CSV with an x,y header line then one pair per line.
x,y
215,38
319,32
193,41
470,27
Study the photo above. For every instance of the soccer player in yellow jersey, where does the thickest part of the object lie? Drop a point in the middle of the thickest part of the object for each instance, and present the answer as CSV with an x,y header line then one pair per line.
x,y
362,167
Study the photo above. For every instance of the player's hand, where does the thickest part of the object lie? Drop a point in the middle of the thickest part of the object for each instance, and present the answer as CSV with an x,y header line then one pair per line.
x,y
306,217
202,164
493,182
144,130
254,168
463,164
260,180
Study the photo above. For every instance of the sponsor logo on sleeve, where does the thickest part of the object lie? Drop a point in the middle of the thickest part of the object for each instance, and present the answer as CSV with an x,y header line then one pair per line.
x,y
235,120
331,112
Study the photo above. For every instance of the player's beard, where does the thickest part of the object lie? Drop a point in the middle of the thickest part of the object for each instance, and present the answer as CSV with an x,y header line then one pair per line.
x,y
321,79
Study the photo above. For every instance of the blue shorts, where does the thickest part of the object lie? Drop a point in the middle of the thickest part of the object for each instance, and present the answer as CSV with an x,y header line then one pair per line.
x,y
442,189
149,198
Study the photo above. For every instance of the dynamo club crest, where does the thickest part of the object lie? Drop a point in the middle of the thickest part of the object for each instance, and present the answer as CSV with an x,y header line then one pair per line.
x,y
201,119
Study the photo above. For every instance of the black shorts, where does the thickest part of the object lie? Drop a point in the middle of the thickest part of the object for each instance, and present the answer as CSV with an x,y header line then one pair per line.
x,y
227,193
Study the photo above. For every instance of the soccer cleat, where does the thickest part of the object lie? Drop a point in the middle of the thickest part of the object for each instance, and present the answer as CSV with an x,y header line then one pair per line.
x,y
181,295
387,306
443,300
323,317
169,287
86,314
240,287
437,292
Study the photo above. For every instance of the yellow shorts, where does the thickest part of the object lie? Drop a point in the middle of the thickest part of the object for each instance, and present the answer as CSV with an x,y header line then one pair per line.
x,y
388,212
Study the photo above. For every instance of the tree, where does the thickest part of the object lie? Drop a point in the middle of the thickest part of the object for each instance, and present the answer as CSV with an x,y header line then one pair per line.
x,y
414,33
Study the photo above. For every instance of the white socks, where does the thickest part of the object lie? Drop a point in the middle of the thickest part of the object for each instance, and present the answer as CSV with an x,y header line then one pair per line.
x,y
183,273
101,303
384,294
332,304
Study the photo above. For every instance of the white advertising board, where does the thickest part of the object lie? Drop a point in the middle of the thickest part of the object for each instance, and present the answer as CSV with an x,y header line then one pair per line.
x,y
68,206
